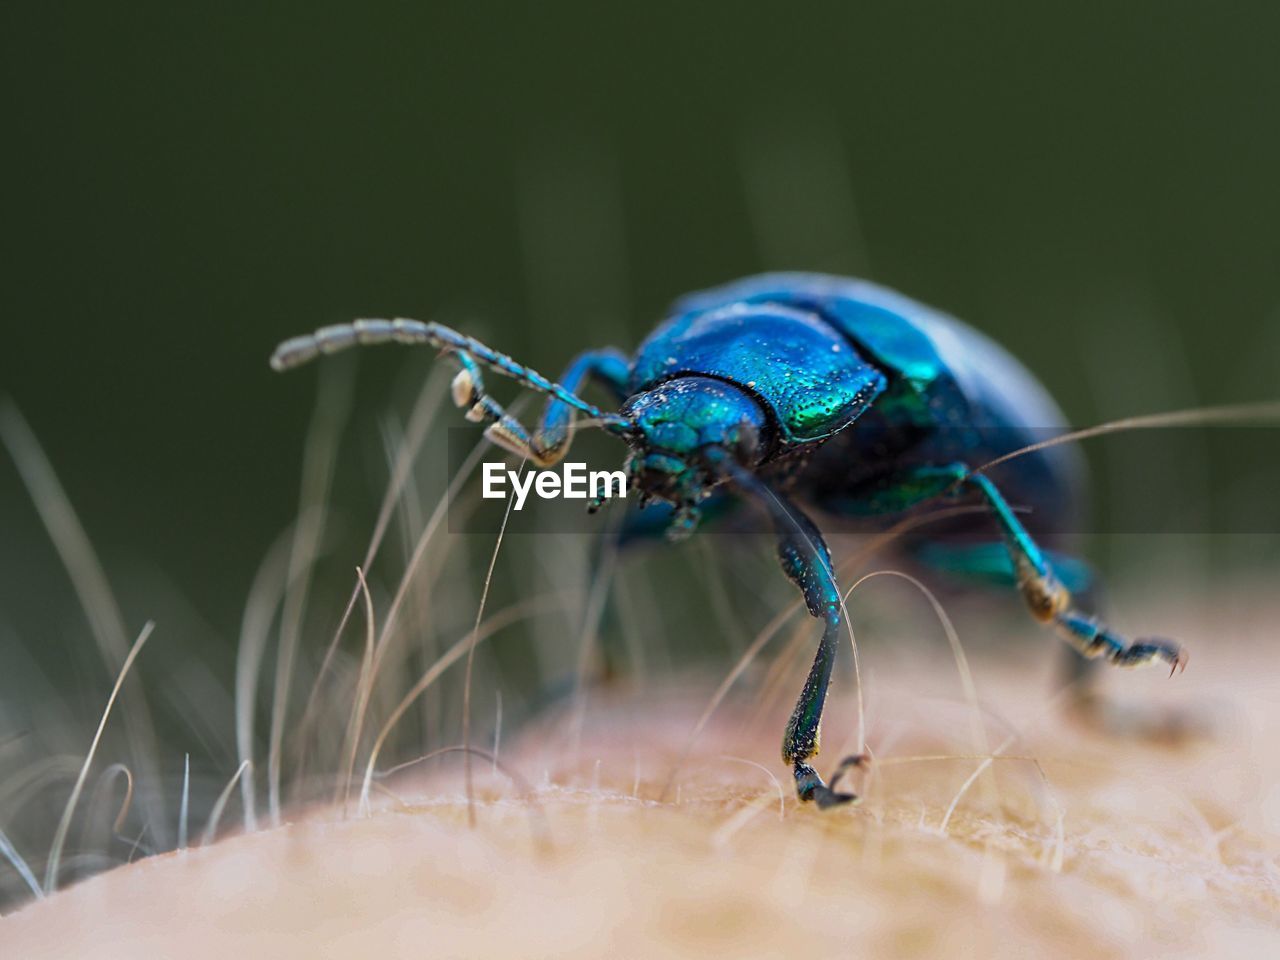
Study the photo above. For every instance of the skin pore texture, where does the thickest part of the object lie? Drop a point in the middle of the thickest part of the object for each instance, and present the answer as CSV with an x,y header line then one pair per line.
x,y
1078,843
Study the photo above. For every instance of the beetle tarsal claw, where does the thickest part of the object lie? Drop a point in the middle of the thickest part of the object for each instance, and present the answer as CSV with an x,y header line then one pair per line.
x,y
1179,661
859,761
463,389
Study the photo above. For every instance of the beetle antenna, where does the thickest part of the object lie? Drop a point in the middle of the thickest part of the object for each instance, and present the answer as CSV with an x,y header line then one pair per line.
x,y
332,339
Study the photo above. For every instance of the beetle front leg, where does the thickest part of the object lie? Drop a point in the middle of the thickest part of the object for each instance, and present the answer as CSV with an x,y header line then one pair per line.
x,y
800,743
807,562
549,443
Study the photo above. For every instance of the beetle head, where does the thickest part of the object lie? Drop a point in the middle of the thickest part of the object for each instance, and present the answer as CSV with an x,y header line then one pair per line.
x,y
683,434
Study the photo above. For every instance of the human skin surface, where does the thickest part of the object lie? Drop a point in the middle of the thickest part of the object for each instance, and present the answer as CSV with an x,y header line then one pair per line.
x,y
1122,847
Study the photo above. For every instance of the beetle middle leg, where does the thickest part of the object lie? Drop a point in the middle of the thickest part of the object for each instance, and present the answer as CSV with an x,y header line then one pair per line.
x,y
1080,675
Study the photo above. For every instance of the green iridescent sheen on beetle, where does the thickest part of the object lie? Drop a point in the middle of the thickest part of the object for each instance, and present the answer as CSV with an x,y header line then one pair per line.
x,y
811,379
806,394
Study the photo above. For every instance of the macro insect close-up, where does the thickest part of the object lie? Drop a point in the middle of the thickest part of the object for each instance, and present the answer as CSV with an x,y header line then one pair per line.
x,y
828,505
807,392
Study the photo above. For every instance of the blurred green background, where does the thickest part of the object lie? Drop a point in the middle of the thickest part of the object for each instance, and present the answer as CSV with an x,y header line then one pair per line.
x,y
1095,184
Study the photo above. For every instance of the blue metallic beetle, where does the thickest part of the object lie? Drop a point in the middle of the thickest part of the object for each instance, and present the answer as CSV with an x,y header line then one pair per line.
x,y
750,390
